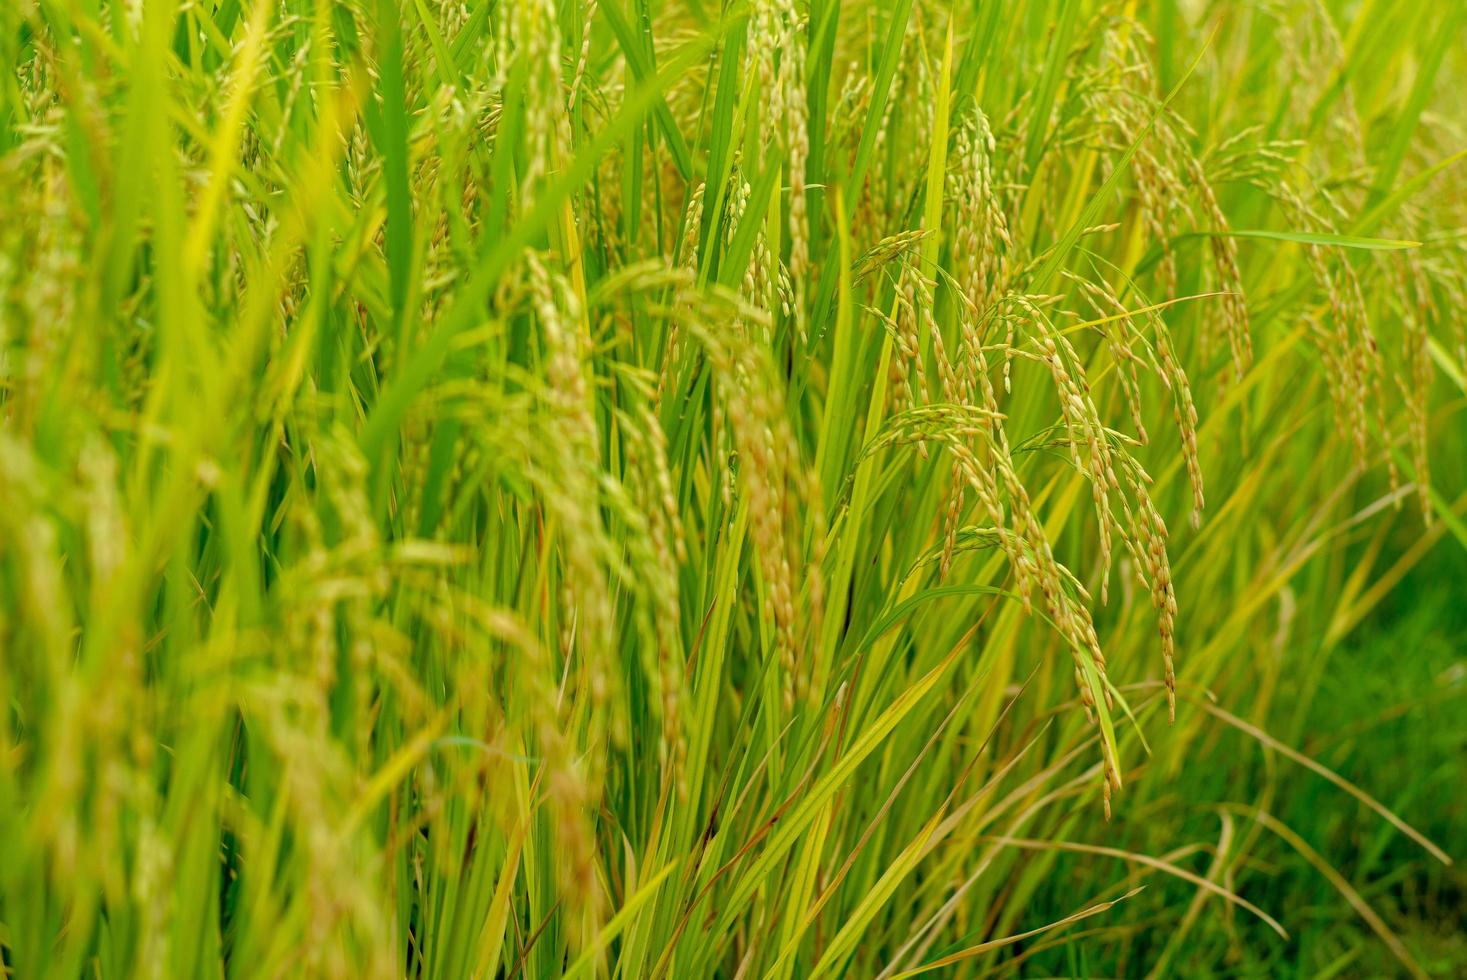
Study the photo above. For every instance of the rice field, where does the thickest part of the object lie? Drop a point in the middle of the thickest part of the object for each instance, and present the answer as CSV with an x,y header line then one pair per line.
x,y
733,488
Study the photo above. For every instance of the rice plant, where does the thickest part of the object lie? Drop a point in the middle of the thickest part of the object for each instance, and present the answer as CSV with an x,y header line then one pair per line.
x,y
730,488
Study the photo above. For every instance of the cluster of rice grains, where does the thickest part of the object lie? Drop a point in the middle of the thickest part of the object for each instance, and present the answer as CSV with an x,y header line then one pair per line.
x,y
993,320
955,316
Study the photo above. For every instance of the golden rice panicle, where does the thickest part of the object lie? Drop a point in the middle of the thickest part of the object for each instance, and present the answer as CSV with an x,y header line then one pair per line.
x,y
664,549
1167,367
1145,530
40,295
980,224
588,15
1171,183
1082,426
687,255
1184,410
562,777
588,620
924,294
1361,355
891,260
768,459
1120,335
757,284
982,244
779,46
1419,312
769,465
687,252
1343,339
1224,249
326,594
39,646
964,392
1029,551
1121,95
914,314
531,35
1148,540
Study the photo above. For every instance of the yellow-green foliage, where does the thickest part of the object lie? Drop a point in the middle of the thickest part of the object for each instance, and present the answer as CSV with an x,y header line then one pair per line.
x,y
670,488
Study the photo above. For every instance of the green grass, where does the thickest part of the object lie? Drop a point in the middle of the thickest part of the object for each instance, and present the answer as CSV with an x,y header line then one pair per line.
x,y
644,488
